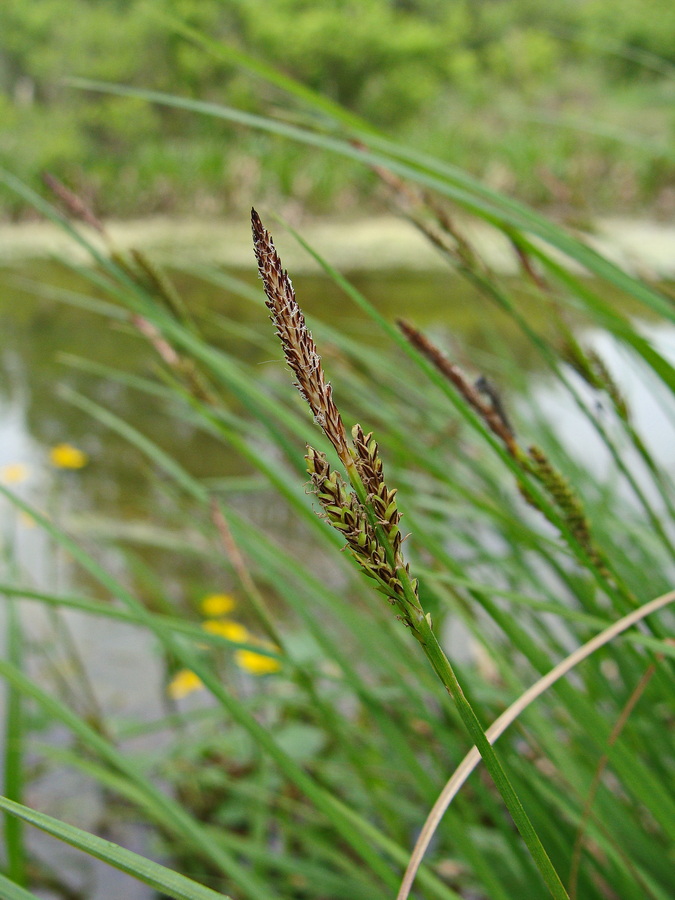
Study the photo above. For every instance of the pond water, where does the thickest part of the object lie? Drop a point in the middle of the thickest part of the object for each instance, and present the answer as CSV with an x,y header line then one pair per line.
x,y
44,336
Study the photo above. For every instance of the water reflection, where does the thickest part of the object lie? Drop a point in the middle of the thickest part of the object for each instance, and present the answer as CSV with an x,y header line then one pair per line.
x,y
649,403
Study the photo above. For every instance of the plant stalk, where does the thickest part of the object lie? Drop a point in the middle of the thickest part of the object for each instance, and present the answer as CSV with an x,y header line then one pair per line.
x,y
422,630
445,672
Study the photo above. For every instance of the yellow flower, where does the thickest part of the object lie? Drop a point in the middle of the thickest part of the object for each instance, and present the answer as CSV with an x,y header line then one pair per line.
x,y
257,663
217,605
184,682
65,456
226,628
14,473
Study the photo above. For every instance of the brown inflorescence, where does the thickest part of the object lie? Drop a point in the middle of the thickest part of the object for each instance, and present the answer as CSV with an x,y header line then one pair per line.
x,y
366,514
491,413
297,342
381,498
535,462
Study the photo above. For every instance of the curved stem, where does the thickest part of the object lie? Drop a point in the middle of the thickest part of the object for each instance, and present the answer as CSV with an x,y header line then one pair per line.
x,y
500,725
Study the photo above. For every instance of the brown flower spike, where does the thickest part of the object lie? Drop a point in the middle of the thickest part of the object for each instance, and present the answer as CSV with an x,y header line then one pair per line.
x,y
491,414
297,341
367,516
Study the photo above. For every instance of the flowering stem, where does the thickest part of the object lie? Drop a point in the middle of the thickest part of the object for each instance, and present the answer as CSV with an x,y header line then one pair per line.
x,y
412,610
423,631
369,519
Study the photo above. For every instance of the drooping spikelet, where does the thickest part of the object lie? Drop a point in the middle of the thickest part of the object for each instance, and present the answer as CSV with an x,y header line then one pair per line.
x,y
491,412
297,342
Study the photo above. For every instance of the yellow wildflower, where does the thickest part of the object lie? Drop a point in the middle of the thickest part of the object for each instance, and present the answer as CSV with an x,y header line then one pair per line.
x,y
226,628
65,456
217,605
184,682
257,663
14,473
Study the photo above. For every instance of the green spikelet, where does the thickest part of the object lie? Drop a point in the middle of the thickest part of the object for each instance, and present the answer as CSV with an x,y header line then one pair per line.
x,y
346,514
560,491
588,363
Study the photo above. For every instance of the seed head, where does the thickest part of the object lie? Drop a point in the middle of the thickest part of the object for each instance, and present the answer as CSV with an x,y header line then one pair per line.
x,y
297,342
382,499
492,413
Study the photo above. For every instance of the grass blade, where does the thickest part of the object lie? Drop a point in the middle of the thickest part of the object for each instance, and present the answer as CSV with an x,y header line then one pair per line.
x,y
158,877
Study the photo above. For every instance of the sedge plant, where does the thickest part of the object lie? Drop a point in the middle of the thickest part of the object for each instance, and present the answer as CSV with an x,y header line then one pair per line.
x,y
365,512
369,519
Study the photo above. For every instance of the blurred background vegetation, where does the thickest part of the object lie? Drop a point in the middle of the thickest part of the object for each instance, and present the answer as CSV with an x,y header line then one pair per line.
x,y
152,418
549,102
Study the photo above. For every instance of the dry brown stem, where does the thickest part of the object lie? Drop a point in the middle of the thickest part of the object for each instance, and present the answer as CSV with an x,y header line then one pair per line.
x,y
74,204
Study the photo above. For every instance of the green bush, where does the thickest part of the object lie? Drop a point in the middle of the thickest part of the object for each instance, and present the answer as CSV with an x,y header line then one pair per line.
x,y
405,67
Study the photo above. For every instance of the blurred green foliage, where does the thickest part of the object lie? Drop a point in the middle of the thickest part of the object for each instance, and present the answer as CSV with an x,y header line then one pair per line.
x,y
512,91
